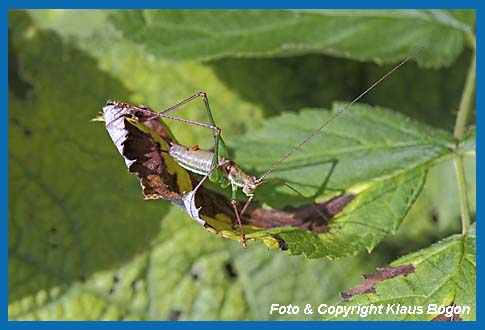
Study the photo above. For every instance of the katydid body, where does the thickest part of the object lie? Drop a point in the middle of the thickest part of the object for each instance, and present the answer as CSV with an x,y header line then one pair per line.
x,y
201,162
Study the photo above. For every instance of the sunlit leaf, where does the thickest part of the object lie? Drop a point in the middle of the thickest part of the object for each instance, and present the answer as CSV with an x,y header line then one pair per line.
x,y
380,156
83,244
204,35
442,275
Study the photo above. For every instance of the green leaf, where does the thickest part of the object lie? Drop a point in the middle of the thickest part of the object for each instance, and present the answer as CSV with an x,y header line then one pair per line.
x,y
152,82
204,35
111,55
380,156
63,169
434,214
196,281
362,145
467,17
443,274
373,214
83,244
290,83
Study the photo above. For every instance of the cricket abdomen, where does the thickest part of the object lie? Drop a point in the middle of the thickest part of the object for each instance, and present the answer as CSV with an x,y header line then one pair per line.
x,y
193,159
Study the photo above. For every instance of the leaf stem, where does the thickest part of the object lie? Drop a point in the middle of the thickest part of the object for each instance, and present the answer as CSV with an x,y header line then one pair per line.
x,y
466,99
465,213
460,124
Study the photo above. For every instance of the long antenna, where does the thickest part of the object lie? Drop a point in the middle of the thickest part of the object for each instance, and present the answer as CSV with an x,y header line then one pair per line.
x,y
335,115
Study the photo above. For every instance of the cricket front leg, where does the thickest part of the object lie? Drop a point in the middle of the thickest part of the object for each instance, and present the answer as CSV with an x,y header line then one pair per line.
x,y
219,145
238,218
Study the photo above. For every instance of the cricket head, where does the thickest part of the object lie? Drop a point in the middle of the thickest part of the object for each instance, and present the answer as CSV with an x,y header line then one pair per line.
x,y
250,186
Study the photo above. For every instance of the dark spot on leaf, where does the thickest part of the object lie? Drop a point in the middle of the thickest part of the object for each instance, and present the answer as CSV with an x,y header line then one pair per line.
x,y
27,132
53,230
174,315
82,278
116,280
444,317
434,217
371,280
197,272
281,242
230,269
134,284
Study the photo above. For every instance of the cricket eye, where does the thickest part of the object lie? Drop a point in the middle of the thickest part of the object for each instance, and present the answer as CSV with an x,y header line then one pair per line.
x,y
229,167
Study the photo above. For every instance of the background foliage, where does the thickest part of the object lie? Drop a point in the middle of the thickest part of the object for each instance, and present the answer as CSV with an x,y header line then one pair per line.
x,y
82,242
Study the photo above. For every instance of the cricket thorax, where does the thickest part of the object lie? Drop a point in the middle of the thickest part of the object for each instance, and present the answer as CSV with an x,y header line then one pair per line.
x,y
239,178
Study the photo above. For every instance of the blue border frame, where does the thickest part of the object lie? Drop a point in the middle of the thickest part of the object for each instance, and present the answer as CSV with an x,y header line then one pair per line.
x,y
224,4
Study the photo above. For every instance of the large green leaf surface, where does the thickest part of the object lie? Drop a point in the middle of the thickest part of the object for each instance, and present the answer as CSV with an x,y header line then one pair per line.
x,y
268,152
362,144
83,244
290,83
60,198
151,81
443,274
203,35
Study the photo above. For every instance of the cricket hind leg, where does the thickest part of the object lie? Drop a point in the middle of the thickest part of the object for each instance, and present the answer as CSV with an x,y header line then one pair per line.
x,y
219,145
250,199
201,182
